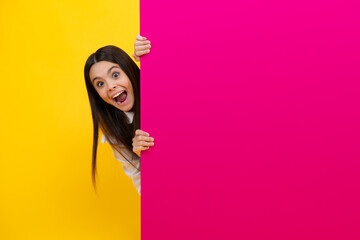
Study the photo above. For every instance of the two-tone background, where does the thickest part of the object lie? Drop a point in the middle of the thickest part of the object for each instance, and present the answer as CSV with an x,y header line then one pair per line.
x,y
254,106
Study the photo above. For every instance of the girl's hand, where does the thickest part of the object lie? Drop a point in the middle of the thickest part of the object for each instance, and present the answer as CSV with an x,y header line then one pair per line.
x,y
141,142
141,47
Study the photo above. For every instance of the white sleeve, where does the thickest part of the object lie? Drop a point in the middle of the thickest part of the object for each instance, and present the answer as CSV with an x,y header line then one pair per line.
x,y
132,170
133,173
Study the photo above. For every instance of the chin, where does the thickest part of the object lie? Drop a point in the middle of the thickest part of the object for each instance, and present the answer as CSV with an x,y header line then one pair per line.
x,y
125,108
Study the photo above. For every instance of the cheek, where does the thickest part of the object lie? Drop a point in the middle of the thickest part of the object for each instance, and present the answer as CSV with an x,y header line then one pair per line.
x,y
132,94
103,95
131,89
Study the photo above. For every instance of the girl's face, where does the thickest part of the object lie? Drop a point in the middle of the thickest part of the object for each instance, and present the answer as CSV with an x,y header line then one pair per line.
x,y
112,85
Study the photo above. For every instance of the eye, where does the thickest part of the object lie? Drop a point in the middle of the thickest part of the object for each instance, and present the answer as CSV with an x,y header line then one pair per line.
x,y
99,83
115,74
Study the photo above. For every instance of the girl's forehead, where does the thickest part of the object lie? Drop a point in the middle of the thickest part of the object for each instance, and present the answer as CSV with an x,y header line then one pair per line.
x,y
102,68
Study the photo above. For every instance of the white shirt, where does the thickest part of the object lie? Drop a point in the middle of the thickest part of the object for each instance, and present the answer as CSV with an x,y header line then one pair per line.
x,y
131,169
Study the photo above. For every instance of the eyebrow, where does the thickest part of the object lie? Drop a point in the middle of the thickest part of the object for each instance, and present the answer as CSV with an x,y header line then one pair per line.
x,y
108,71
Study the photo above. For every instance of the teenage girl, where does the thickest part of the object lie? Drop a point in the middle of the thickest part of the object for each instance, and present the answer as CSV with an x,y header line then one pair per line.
x,y
113,84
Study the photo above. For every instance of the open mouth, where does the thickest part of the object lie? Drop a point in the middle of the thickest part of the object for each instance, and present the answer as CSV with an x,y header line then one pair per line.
x,y
121,97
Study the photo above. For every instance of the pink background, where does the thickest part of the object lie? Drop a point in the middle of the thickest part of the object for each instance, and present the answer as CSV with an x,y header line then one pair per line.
x,y
255,110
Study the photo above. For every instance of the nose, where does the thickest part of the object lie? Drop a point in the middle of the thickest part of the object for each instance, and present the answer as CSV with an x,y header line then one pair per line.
x,y
112,87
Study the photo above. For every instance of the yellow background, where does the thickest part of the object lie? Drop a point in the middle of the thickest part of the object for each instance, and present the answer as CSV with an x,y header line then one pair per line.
x,y
46,126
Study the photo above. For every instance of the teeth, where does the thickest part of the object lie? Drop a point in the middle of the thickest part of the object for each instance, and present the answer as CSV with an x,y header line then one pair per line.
x,y
118,94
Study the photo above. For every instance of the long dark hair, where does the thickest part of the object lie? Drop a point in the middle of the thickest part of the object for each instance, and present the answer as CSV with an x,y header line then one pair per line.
x,y
112,121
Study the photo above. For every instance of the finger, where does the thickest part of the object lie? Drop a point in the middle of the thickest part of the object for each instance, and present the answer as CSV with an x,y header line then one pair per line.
x,y
140,38
139,43
143,52
144,148
142,47
140,138
141,132
139,149
145,144
138,142
144,138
